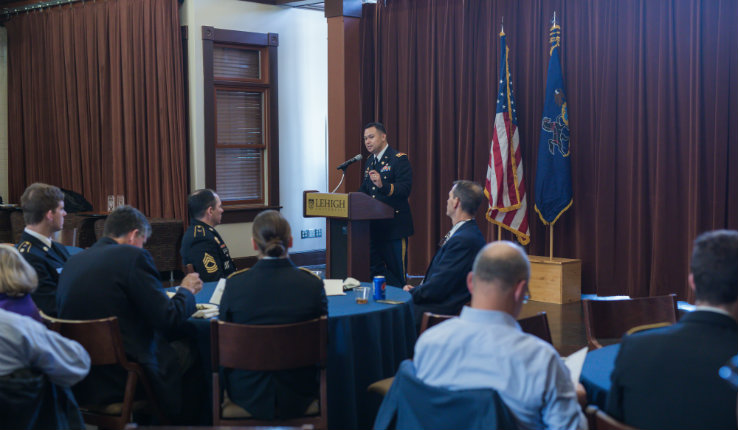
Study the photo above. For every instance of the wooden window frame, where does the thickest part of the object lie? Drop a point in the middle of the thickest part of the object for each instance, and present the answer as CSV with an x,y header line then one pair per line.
x,y
267,43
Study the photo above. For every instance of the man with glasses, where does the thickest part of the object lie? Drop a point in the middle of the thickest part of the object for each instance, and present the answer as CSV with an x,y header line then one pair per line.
x,y
486,349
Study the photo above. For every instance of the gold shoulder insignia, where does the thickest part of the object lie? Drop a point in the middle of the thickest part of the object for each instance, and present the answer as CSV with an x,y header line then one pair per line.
x,y
310,272
24,247
400,154
237,272
216,240
209,262
199,231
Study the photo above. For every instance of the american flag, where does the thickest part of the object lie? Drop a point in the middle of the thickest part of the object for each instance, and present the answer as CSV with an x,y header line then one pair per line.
x,y
505,187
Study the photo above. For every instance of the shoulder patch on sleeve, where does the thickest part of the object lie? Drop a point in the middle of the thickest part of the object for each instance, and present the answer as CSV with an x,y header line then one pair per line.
x,y
237,272
310,272
400,154
211,266
199,231
24,247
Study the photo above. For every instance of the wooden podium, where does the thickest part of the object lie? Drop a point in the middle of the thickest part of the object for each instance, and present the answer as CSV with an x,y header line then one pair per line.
x,y
347,230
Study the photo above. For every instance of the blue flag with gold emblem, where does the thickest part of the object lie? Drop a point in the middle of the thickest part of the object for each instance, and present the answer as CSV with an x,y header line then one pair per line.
x,y
553,174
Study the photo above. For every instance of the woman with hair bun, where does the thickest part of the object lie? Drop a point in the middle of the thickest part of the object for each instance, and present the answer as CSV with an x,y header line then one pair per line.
x,y
18,280
273,291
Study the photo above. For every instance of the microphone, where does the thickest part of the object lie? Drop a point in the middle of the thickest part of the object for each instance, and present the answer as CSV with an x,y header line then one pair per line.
x,y
349,162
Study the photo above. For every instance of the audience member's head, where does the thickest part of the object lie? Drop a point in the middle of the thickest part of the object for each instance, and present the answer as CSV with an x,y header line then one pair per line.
x,y
17,277
499,277
127,225
714,268
43,204
271,234
205,205
469,196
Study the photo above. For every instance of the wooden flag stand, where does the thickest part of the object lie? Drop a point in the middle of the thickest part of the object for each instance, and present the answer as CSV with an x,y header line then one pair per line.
x,y
553,279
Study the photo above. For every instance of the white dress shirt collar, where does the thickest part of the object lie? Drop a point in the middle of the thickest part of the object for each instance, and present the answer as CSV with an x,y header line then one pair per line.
x,y
45,240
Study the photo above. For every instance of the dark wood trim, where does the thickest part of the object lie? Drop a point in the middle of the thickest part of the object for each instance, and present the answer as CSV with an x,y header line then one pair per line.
x,y
208,104
273,143
308,258
234,214
240,37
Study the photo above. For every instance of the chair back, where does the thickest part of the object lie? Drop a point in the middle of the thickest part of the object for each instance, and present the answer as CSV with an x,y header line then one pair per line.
x,y
268,345
270,348
430,319
102,340
537,325
613,318
599,420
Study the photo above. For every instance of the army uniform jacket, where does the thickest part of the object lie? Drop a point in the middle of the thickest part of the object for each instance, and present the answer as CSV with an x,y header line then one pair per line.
x,y
397,181
48,262
203,247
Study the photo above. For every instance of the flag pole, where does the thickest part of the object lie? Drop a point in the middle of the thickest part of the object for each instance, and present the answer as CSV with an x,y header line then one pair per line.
x,y
551,242
499,232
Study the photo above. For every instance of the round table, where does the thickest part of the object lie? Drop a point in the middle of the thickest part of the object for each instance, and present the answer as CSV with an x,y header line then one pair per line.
x,y
595,376
366,343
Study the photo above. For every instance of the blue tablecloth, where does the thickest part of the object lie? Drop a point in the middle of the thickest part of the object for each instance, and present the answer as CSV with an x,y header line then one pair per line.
x,y
595,376
73,249
366,343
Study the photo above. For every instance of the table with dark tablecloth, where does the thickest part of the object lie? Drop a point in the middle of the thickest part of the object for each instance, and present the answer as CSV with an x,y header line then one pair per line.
x,y
595,376
366,343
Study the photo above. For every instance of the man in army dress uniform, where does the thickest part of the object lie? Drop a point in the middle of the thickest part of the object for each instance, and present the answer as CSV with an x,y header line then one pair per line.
x,y
388,177
202,246
43,213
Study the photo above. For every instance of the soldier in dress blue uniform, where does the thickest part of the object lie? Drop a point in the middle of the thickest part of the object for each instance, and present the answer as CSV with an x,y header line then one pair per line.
x,y
388,177
202,246
43,213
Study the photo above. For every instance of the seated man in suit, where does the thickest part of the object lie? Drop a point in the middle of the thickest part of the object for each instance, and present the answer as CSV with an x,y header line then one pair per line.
x,y
443,290
485,347
43,212
117,277
202,246
273,291
668,378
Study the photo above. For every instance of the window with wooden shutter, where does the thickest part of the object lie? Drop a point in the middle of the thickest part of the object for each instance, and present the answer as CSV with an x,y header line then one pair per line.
x,y
241,145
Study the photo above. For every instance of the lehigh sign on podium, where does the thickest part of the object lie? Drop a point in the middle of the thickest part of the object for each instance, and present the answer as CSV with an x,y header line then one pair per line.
x,y
327,205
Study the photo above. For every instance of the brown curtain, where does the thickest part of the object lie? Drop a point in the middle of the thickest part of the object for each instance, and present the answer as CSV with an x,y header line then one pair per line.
x,y
652,90
97,103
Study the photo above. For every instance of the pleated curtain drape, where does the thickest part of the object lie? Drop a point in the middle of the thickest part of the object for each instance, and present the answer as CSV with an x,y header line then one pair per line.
x,y
97,103
652,89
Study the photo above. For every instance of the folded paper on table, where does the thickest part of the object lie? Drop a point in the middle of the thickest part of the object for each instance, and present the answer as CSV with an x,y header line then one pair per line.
x,y
575,363
218,293
333,287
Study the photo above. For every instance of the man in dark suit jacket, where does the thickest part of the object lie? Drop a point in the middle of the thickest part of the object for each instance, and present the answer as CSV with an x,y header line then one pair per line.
x,y
43,212
273,291
668,378
202,246
388,177
117,277
444,290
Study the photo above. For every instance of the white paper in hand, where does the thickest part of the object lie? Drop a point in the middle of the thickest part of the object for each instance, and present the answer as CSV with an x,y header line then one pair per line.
x,y
575,363
333,287
218,293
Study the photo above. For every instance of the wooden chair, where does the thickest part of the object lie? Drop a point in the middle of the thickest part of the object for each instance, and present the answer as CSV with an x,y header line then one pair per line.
x,y
599,420
613,318
537,325
430,319
269,348
102,340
